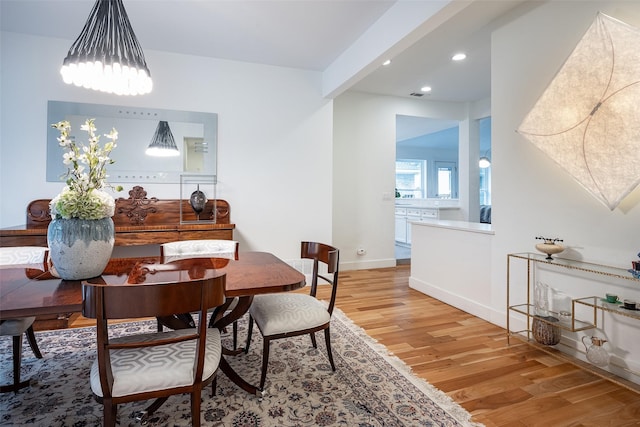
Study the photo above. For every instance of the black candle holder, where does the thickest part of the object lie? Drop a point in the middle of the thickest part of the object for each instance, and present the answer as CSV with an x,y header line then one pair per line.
x,y
198,202
197,195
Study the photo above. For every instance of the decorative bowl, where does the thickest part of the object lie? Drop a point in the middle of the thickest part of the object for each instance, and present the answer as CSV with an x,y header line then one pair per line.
x,y
549,249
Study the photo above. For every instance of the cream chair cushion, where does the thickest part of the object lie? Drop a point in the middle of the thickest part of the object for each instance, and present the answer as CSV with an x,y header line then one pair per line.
x,y
23,255
156,368
199,248
15,327
20,256
287,312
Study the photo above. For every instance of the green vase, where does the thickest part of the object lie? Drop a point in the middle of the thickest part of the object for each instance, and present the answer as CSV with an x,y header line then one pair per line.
x,y
80,248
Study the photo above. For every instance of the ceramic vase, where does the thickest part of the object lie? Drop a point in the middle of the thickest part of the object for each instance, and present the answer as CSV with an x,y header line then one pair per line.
x,y
80,248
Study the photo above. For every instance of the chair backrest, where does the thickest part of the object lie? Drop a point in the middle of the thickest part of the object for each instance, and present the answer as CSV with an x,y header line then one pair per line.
x,y
199,248
23,255
328,255
104,302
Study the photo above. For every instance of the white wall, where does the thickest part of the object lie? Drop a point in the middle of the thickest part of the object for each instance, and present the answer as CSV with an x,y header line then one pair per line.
x,y
531,194
452,263
364,172
274,137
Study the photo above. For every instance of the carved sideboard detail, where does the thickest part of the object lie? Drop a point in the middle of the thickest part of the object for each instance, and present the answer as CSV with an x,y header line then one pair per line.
x,y
138,220
137,206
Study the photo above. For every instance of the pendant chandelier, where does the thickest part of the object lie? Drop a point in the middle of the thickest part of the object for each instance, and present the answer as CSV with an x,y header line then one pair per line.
x,y
106,56
162,143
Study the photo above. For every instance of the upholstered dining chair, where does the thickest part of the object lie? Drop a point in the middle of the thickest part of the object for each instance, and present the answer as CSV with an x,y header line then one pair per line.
x,y
288,314
173,251
153,365
28,256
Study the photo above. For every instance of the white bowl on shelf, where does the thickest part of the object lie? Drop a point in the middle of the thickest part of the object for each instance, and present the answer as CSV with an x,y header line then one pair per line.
x,y
549,249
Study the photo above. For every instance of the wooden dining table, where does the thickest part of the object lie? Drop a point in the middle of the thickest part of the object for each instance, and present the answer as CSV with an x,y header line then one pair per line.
x,y
32,290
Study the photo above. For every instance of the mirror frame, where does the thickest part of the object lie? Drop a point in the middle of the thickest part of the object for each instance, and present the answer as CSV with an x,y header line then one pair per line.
x,y
59,110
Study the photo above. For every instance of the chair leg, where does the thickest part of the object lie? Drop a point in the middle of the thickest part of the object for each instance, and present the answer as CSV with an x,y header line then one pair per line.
x,y
235,335
109,413
313,339
327,339
31,337
17,358
195,408
17,363
265,362
249,333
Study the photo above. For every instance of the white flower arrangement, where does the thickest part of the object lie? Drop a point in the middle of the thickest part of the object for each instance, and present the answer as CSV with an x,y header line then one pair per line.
x,y
86,175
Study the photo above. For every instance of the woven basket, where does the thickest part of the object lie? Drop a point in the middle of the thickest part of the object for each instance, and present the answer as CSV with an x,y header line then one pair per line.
x,y
545,333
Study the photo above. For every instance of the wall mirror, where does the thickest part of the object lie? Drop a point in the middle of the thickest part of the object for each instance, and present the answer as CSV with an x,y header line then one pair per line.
x,y
195,134
426,158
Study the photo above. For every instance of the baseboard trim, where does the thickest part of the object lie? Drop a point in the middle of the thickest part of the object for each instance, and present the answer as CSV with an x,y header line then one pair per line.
x,y
472,307
366,265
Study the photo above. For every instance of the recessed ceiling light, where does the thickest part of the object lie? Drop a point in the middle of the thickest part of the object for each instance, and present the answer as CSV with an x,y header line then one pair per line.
x,y
458,57
426,88
387,62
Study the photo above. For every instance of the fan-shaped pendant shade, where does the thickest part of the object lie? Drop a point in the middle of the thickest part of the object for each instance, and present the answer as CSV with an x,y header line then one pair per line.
x,y
106,56
162,143
588,119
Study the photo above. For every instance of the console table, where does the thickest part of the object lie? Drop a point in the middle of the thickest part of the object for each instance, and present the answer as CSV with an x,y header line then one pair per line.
x,y
138,220
591,306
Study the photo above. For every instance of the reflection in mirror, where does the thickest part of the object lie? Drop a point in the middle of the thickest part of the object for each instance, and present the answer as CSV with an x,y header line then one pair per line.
x,y
195,134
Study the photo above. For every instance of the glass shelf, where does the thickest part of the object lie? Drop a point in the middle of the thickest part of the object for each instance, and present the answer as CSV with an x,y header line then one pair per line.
x,y
594,302
598,303
571,324
589,267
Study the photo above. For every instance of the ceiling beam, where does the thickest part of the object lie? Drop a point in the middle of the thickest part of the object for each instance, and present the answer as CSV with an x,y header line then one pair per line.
x,y
402,25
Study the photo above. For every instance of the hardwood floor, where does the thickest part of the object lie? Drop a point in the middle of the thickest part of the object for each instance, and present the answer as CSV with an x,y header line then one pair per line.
x,y
469,359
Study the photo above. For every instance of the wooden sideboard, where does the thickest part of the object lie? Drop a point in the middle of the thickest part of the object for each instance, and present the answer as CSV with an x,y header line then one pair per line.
x,y
138,220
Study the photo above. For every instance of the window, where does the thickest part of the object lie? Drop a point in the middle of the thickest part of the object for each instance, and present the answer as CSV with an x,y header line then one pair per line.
x,y
411,178
485,186
485,150
447,180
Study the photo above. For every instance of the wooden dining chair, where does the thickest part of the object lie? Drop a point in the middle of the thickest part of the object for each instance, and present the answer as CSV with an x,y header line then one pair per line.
x,y
173,251
287,314
28,256
153,365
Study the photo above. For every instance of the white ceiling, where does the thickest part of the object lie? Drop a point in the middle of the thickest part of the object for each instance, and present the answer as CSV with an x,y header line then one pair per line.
x,y
307,34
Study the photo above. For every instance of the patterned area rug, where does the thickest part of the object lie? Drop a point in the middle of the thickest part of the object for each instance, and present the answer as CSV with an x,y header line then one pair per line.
x,y
369,388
